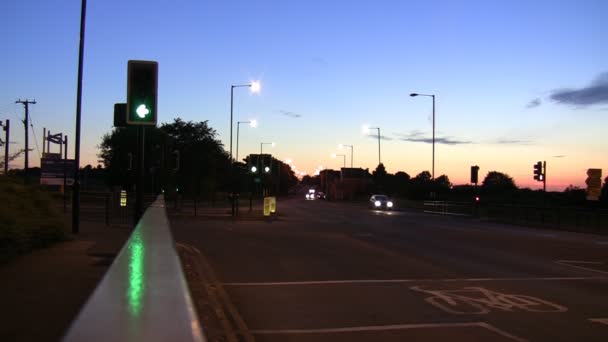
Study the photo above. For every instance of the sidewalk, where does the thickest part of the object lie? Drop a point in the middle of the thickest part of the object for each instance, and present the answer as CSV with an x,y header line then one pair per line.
x,y
43,291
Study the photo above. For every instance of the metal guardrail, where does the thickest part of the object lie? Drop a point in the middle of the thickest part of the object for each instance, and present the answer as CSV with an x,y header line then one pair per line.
x,y
448,208
143,296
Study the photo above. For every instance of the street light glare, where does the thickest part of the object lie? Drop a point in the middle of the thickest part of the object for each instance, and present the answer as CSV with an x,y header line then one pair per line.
x,y
253,123
288,161
341,146
333,155
255,86
273,144
365,129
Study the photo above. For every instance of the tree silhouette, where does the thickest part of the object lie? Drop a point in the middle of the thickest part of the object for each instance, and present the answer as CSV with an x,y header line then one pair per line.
x,y
498,181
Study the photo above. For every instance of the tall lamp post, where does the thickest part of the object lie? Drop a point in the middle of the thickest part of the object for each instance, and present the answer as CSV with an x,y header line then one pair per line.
x,y
366,130
255,88
433,96
340,155
252,123
352,151
265,143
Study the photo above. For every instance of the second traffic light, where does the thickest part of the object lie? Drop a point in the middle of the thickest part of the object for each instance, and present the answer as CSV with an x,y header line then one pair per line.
x,y
474,174
538,171
142,85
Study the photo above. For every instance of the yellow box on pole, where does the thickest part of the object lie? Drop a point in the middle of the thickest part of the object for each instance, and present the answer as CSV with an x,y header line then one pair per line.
x,y
266,206
123,198
273,204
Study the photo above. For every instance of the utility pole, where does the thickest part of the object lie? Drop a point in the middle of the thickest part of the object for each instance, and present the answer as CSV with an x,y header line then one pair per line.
x,y
7,129
544,176
26,104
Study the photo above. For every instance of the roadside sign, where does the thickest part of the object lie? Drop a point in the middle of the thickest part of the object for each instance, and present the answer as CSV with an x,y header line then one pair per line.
x,y
53,171
266,206
123,198
594,184
273,204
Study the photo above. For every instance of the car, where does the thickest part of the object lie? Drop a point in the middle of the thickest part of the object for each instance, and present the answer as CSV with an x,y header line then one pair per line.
x,y
381,202
321,195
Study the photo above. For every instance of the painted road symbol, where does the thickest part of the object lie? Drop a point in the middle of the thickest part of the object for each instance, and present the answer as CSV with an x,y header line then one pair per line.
x,y
481,301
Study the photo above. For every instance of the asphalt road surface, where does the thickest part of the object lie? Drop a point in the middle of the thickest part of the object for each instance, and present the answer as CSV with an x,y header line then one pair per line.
x,y
327,271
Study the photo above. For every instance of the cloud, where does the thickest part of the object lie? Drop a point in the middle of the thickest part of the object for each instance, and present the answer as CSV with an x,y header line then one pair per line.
x,y
417,136
534,103
559,157
504,141
290,114
594,93
382,137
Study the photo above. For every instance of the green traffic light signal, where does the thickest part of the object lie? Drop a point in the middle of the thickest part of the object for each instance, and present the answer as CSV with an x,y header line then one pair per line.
x,y
142,85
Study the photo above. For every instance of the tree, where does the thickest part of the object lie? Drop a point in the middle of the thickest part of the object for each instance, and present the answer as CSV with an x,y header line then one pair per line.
x,y
422,177
498,181
380,178
604,195
203,162
12,157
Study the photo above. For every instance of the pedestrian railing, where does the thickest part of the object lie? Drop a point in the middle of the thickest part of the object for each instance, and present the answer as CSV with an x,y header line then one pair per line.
x,y
143,295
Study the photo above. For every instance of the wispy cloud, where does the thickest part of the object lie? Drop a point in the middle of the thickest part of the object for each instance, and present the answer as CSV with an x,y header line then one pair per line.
x,y
290,114
505,141
417,136
534,103
594,93
558,157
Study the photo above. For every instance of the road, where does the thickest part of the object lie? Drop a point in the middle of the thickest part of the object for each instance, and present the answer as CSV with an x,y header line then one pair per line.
x,y
326,271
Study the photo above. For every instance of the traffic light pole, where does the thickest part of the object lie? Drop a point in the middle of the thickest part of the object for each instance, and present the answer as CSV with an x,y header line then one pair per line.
x,y
139,190
7,128
544,176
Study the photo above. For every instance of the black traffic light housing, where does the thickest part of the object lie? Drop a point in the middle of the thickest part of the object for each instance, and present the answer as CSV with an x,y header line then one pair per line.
x,y
538,171
474,174
142,86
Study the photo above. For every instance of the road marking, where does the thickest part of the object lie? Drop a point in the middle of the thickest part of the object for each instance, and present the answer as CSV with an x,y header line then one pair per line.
x,y
599,320
393,281
546,235
389,327
481,301
571,262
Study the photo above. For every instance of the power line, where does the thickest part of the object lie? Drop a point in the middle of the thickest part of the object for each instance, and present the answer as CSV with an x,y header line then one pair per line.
x,y
35,138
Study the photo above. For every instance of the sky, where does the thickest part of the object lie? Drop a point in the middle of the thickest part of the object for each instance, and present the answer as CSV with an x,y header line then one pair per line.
x,y
515,81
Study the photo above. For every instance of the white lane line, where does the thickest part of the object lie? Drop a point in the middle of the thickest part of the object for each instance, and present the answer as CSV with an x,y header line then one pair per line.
x,y
569,264
393,281
582,262
599,320
388,327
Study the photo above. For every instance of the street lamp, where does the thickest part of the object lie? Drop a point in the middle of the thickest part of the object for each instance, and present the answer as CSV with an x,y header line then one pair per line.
x,y
255,87
366,130
340,155
265,143
352,151
433,96
252,124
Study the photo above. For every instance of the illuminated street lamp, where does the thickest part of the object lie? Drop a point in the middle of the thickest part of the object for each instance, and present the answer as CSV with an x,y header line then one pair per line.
x,y
255,87
433,96
352,151
340,155
272,144
366,130
252,123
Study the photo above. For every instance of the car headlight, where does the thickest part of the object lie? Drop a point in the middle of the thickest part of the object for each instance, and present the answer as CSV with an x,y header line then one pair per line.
x,y
377,203
307,196
389,204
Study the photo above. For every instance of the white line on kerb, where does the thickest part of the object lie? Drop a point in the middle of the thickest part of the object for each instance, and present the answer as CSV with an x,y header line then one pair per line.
x,y
570,263
392,281
387,327
582,262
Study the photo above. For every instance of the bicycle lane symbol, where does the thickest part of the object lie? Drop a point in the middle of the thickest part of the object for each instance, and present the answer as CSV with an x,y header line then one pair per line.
x,y
481,301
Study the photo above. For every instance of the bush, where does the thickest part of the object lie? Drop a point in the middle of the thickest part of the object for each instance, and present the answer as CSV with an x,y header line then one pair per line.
x,y
28,219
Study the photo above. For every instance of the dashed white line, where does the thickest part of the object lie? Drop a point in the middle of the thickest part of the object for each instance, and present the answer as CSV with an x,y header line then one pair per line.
x,y
388,327
392,281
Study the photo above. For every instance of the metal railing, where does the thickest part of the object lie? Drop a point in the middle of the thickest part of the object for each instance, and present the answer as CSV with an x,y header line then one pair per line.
x,y
143,296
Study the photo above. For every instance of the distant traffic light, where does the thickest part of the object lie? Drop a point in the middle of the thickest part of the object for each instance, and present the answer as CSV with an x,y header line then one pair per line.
x,y
142,85
474,174
538,171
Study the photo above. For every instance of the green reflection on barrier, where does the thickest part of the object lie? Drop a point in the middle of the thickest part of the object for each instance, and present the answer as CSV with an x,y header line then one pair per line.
x,y
136,274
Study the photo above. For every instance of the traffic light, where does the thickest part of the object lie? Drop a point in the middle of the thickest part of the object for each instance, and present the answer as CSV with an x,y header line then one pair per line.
x,y
474,174
253,164
266,163
120,115
538,171
142,85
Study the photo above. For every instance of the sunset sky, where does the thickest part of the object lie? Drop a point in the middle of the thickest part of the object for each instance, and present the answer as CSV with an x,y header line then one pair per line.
x,y
515,81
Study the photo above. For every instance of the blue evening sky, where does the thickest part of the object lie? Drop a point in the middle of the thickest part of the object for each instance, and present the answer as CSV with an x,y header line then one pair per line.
x,y
495,66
